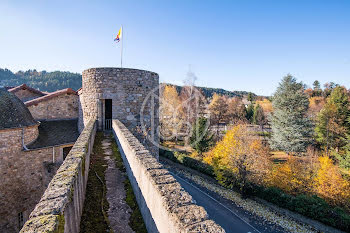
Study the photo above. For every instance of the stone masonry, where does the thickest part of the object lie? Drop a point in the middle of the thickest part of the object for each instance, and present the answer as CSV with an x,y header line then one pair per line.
x,y
128,89
64,106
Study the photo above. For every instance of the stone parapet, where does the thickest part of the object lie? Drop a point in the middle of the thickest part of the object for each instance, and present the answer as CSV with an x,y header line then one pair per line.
x,y
164,204
60,208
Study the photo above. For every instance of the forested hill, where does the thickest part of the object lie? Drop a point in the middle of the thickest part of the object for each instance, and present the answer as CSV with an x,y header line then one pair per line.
x,y
57,80
44,81
209,92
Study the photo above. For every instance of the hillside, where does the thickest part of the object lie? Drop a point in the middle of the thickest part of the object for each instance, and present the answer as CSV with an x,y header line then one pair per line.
x,y
56,80
44,81
209,92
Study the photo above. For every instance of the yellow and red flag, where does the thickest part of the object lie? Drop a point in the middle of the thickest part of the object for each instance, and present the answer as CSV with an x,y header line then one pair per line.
x,y
119,35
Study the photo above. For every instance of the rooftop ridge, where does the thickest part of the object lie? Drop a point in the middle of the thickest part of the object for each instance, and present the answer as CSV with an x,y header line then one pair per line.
x,y
26,87
50,96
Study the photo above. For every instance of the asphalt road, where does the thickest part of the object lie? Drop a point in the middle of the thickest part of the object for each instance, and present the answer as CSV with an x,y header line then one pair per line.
x,y
232,218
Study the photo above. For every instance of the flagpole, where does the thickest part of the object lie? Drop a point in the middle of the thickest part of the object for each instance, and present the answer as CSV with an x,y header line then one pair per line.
x,y
121,50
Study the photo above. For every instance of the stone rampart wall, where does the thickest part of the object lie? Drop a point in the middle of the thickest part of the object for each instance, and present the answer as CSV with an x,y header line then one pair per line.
x,y
60,208
164,205
59,107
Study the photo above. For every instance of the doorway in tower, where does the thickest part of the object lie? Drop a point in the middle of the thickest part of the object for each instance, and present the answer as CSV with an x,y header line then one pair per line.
x,y
108,114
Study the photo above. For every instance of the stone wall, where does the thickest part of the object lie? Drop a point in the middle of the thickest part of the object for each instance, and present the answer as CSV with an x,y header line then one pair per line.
x,y
164,205
11,139
24,176
60,107
60,208
128,89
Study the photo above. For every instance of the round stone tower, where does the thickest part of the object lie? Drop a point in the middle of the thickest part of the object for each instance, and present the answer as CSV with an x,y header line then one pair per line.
x,y
129,95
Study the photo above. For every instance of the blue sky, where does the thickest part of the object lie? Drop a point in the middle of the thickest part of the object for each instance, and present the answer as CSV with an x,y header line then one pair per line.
x,y
235,45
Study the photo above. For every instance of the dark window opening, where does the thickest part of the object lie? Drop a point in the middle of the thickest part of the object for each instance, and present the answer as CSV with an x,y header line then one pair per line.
x,y
108,114
66,151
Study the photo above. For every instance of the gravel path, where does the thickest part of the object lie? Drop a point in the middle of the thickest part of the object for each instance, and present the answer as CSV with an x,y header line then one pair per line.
x,y
119,211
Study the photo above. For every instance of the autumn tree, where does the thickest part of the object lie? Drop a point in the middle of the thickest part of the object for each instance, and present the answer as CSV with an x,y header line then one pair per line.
x,y
332,125
218,108
266,105
171,112
236,110
293,176
239,159
328,88
200,139
291,128
315,106
330,185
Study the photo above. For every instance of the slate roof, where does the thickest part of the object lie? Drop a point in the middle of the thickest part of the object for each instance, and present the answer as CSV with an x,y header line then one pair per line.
x,y
13,112
50,96
25,87
56,132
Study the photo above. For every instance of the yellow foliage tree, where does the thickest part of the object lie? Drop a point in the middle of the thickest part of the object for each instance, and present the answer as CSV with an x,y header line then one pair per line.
x,y
265,104
330,184
242,155
294,176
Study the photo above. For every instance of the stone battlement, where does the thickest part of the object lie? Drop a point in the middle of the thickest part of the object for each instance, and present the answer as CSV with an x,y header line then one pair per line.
x,y
164,204
60,208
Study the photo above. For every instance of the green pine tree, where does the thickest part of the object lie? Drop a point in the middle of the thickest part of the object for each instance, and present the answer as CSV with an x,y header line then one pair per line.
x,y
332,125
291,128
258,115
250,112
201,140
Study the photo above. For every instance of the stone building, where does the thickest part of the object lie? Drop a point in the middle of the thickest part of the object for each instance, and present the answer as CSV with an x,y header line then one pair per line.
x,y
62,104
30,153
37,130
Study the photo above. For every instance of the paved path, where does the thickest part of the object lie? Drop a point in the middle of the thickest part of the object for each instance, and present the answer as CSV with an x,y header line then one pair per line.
x,y
227,215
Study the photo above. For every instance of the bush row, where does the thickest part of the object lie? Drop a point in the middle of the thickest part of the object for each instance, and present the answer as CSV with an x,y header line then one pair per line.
x,y
310,206
188,162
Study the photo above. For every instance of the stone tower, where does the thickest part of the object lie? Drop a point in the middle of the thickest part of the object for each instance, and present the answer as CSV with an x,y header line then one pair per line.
x,y
129,95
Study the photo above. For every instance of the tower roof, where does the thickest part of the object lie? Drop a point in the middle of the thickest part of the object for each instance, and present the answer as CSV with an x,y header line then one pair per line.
x,y
13,112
